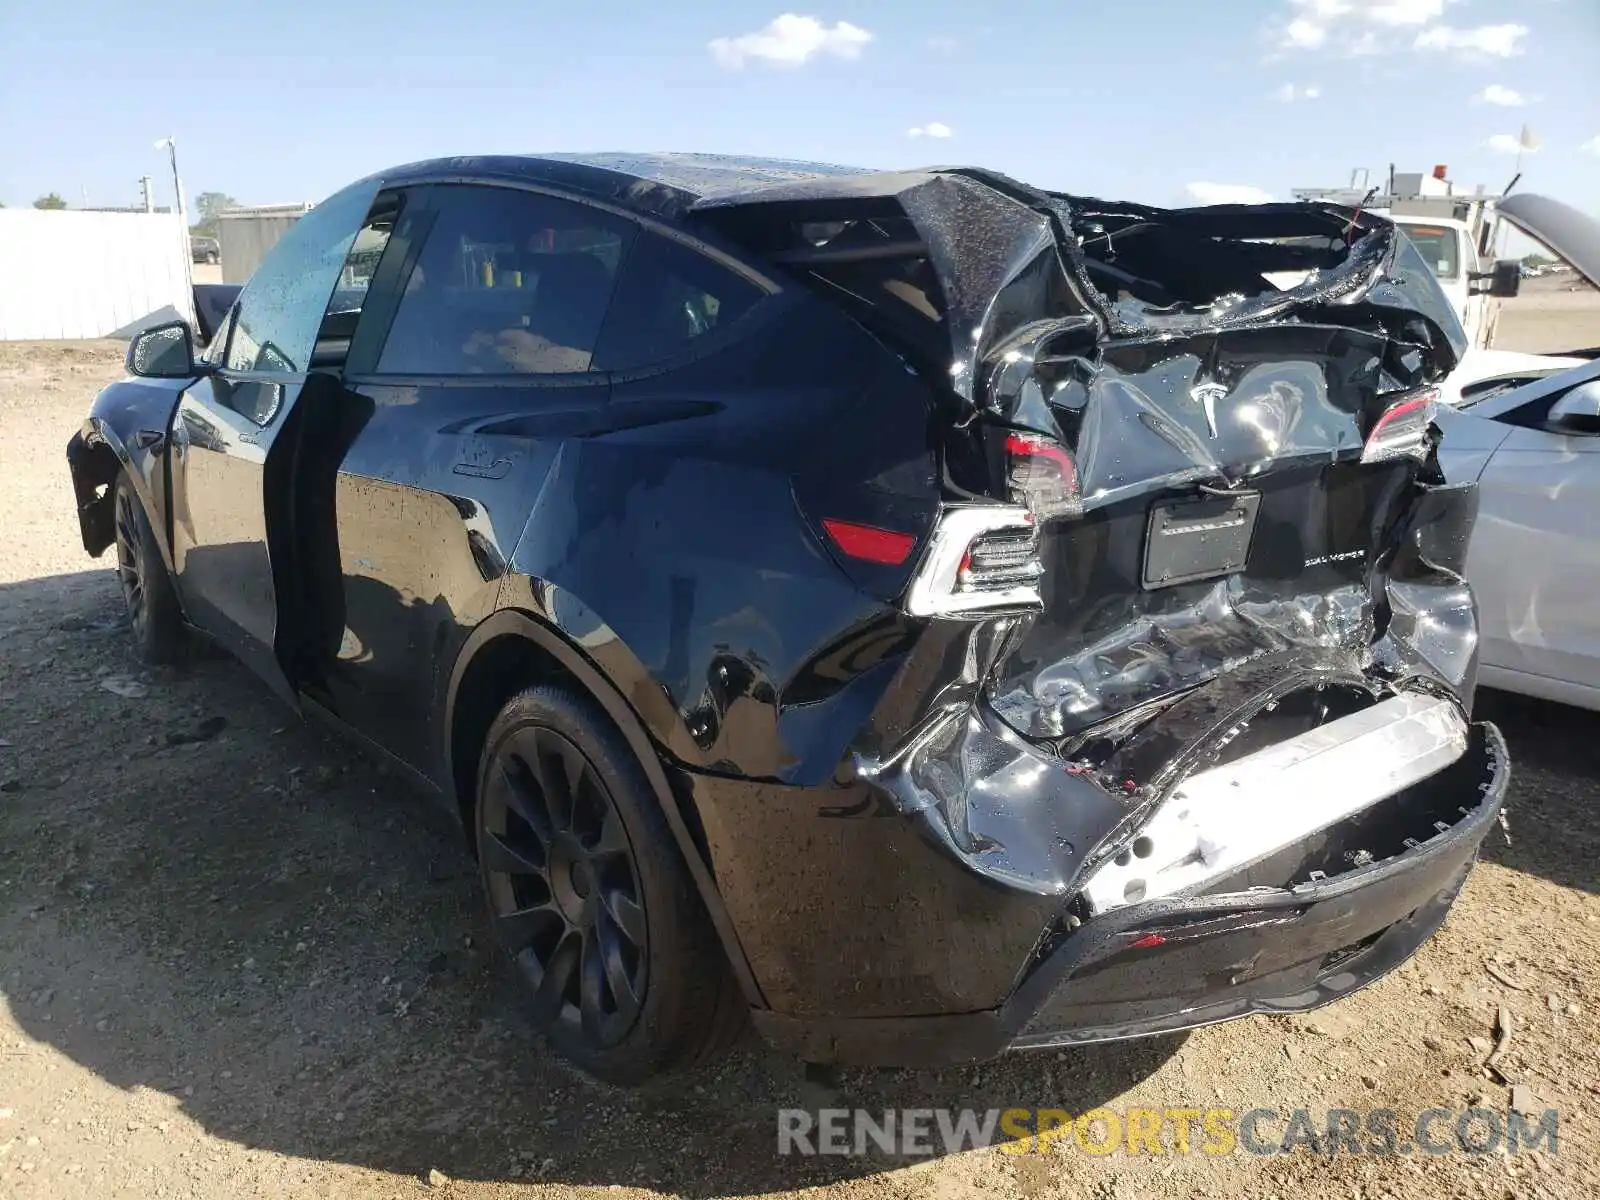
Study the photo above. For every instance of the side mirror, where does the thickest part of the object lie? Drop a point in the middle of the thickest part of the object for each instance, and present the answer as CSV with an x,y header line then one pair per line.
x,y
162,352
1505,280
1578,410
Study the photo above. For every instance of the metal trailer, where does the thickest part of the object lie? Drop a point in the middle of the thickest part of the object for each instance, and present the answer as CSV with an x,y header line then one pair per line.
x,y
246,234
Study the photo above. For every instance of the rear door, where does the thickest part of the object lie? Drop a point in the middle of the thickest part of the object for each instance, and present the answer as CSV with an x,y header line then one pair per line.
x,y
1534,559
469,380
231,430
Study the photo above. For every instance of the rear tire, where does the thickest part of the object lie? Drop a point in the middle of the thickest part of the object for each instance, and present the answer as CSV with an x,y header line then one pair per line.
x,y
590,897
147,590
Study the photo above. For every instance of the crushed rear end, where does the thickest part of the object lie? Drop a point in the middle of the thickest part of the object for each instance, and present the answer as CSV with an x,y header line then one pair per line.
x,y
1193,655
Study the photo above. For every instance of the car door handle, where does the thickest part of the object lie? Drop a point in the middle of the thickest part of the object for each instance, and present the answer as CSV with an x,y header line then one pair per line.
x,y
149,439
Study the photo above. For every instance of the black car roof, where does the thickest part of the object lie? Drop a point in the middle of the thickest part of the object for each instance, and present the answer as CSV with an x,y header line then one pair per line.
x,y
663,185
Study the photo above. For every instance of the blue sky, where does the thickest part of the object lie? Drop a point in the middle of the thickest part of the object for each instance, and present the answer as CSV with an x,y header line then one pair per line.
x,y
1143,99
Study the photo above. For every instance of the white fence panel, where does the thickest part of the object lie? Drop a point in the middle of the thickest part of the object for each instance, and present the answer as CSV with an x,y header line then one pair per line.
x,y
66,274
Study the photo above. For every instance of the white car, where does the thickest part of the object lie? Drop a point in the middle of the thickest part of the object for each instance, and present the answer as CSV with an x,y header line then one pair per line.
x,y
1530,437
1482,372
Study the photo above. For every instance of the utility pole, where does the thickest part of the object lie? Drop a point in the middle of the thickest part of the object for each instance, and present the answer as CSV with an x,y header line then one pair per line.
x,y
170,144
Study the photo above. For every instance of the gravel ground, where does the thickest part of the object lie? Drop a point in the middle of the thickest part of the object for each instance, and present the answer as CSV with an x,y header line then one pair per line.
x,y
1553,313
238,961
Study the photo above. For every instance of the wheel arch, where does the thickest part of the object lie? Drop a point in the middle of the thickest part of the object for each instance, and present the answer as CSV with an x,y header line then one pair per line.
x,y
95,462
130,420
510,650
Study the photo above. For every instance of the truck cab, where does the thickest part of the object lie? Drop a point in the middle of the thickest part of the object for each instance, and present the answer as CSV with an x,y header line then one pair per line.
x,y
1456,232
1448,248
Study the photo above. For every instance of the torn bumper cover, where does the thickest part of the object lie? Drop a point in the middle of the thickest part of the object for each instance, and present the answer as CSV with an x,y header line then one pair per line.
x,y
1361,880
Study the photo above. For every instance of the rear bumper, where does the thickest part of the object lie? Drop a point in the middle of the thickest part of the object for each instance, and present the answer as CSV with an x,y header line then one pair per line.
x,y
1180,963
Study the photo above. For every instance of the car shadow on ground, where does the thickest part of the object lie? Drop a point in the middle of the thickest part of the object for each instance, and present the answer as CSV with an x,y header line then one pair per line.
x,y
206,898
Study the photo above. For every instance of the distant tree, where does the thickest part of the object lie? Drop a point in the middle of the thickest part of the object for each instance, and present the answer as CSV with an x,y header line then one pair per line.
x,y
208,205
50,201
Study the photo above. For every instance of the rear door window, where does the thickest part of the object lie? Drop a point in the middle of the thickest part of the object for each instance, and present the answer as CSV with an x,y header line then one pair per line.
x,y
669,297
507,283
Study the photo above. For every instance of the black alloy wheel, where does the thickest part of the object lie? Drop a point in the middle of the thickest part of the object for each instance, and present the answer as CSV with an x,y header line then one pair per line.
x,y
147,592
131,567
563,885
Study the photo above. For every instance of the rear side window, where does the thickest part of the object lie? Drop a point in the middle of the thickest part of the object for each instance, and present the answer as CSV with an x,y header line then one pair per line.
x,y
507,283
668,297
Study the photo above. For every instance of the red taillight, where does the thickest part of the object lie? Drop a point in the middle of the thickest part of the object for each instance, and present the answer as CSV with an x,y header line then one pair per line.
x,y
1043,476
1402,430
870,544
1147,942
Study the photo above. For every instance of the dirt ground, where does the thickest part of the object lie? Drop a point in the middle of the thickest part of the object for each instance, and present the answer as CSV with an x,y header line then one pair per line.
x,y
1553,313
237,960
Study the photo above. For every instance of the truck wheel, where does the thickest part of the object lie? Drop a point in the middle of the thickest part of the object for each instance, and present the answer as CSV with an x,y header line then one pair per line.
x,y
147,590
590,897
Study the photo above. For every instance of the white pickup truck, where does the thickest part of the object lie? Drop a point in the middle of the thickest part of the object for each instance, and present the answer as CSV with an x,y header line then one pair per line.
x,y
1448,246
1457,234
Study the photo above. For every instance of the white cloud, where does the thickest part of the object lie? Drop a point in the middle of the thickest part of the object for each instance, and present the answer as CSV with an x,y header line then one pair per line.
x,y
1510,143
1503,96
1353,28
1404,12
1486,41
1289,93
1303,34
790,41
1227,193
933,129
1592,146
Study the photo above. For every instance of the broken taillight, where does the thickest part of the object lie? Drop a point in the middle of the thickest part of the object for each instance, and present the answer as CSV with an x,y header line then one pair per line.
x,y
980,560
1043,476
1402,430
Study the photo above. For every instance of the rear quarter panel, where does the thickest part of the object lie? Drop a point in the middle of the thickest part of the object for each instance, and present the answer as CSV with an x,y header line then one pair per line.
x,y
673,550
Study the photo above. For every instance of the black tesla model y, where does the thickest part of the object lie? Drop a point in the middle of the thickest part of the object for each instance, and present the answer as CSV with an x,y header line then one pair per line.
x,y
922,613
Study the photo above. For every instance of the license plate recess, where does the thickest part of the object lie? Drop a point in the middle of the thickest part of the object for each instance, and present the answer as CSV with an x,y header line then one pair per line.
x,y
1202,538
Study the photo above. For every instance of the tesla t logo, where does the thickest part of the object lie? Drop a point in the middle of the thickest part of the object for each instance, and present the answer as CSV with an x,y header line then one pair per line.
x,y
1206,396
